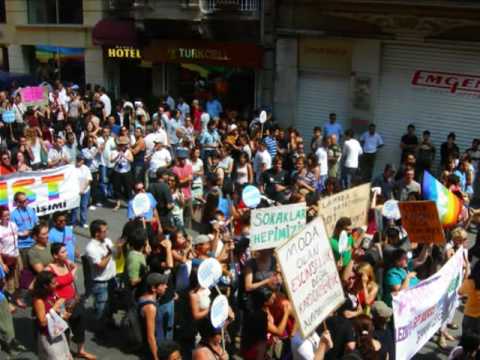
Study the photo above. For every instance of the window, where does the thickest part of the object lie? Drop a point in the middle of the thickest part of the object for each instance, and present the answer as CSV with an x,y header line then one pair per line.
x,y
3,14
55,11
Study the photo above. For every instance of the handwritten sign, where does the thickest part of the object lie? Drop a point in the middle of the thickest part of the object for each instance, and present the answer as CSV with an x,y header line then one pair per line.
x,y
271,227
420,311
420,220
219,311
209,273
353,203
34,95
310,275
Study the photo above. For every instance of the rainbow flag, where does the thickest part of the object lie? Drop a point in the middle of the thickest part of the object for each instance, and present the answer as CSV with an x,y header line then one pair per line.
x,y
448,204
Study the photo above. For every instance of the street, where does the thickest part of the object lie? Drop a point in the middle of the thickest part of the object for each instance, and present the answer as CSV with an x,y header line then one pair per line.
x,y
111,348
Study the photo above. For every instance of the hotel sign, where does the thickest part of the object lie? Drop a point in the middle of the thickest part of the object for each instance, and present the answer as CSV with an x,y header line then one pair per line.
x,y
123,52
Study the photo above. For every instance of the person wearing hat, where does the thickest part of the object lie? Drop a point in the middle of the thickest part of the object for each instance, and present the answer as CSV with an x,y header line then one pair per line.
x,y
84,176
160,158
155,286
383,332
201,245
184,172
122,159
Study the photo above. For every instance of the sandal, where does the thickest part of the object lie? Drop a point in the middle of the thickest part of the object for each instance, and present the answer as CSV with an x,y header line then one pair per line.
x,y
452,326
442,343
86,355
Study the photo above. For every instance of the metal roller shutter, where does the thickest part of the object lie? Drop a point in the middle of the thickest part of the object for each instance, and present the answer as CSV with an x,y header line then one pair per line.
x,y
437,110
319,95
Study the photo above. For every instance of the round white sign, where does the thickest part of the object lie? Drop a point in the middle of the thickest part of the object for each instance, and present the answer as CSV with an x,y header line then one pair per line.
x,y
251,196
219,311
209,273
263,117
141,204
390,210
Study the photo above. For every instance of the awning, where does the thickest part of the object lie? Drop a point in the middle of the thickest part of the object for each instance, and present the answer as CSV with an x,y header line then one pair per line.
x,y
110,32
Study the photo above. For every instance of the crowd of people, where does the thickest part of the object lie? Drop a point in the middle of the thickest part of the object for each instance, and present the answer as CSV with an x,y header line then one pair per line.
x,y
192,162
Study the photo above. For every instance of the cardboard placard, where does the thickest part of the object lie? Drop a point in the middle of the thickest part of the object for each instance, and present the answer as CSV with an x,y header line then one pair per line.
x,y
310,276
272,226
34,95
353,203
420,220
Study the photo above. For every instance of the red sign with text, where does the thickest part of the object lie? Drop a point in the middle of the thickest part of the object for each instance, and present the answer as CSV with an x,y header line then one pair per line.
x,y
449,81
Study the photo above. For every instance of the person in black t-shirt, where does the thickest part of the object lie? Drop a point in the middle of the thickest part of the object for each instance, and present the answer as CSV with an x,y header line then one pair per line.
x,y
275,182
409,142
163,195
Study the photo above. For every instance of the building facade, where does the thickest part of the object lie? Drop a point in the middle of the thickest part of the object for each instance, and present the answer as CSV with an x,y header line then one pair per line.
x,y
391,63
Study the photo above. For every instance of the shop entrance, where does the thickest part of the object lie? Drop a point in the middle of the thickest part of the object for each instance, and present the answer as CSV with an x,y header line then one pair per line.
x,y
234,87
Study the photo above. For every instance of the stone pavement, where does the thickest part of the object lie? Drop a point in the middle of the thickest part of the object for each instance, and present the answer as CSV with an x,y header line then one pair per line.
x,y
111,348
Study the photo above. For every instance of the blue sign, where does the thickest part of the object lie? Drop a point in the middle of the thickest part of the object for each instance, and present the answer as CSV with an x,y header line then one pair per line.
x,y
251,196
8,117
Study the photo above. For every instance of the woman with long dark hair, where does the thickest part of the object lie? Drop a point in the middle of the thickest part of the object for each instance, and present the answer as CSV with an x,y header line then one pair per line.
x,y
44,301
64,272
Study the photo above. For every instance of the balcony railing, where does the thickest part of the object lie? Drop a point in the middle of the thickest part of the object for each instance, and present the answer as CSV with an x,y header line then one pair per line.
x,y
212,6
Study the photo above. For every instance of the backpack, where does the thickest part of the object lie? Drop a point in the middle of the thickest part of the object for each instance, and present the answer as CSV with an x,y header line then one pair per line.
x,y
132,325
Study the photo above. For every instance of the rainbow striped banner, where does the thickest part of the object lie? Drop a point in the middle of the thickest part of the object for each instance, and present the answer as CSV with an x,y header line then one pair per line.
x,y
47,190
448,204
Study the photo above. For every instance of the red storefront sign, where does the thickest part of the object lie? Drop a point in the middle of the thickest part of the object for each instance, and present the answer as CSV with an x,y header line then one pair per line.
x,y
449,81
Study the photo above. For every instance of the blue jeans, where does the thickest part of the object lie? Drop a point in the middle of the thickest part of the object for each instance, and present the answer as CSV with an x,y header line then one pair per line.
x,y
164,321
83,209
106,186
347,176
100,296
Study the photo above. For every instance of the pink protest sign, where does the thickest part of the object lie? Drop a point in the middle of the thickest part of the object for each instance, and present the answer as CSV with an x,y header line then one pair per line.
x,y
34,95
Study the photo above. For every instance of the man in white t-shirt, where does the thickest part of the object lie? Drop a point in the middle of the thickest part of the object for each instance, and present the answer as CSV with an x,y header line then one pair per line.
x,y
107,103
106,144
58,155
159,158
261,162
84,176
157,135
350,155
100,256
322,159
371,142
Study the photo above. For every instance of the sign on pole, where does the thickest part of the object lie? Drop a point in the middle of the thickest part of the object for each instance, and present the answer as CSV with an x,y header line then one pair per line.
x,y
272,226
353,203
310,275
420,220
420,311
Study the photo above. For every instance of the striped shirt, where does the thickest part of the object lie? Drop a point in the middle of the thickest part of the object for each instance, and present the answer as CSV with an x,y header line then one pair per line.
x,y
271,145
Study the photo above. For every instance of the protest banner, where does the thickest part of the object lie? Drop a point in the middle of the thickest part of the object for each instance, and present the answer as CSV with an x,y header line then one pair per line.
x,y
353,203
310,276
34,95
47,190
421,311
209,273
251,196
420,220
272,226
